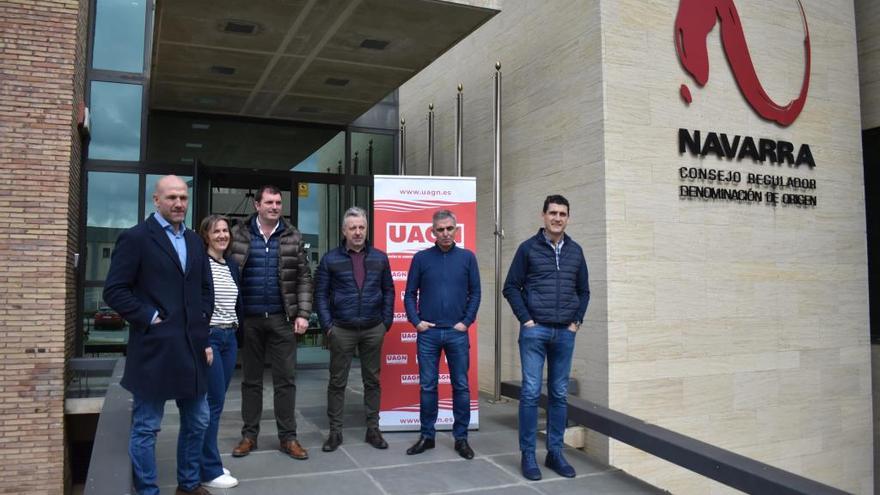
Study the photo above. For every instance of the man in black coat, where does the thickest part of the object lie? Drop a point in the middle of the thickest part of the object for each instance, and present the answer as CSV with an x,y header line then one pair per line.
x,y
159,282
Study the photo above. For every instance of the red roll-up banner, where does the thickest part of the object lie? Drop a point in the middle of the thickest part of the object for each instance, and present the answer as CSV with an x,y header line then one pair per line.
x,y
403,206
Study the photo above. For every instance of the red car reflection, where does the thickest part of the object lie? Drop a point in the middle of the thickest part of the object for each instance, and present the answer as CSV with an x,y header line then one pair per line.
x,y
106,318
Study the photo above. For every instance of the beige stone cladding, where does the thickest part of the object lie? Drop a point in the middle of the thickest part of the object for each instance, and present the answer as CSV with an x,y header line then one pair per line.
x,y
742,324
42,60
867,13
552,143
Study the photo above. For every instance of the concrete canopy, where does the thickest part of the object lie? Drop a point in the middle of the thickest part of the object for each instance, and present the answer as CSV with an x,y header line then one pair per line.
x,y
325,61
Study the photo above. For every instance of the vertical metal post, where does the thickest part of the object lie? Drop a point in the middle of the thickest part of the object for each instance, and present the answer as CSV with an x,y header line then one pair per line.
x,y
499,231
370,158
430,139
459,105
401,147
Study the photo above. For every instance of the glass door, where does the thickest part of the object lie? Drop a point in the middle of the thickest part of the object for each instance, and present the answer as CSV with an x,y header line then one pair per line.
x,y
319,216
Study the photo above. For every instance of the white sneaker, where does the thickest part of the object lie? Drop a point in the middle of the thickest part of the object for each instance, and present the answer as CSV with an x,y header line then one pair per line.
x,y
226,472
222,481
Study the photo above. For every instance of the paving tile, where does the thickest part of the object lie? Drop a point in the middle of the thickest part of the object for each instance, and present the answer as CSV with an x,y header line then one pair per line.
x,y
357,468
267,464
494,442
345,483
506,490
611,483
368,457
441,477
582,464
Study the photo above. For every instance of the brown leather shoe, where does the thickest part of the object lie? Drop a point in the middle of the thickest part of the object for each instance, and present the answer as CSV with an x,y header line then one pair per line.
x,y
294,449
244,447
199,490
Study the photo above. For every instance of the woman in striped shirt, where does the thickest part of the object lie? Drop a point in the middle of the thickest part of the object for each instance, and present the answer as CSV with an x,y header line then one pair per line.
x,y
224,322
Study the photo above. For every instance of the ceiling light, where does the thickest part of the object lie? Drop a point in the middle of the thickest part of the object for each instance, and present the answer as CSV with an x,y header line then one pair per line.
x,y
240,27
207,100
186,160
332,81
220,69
193,145
374,44
201,126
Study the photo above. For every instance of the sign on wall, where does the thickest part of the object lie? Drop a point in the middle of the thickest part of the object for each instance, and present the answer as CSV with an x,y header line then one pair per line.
x,y
403,206
768,183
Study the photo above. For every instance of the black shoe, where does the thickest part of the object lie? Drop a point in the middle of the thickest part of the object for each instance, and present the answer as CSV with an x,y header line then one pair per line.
x,y
422,445
557,462
334,440
374,438
463,449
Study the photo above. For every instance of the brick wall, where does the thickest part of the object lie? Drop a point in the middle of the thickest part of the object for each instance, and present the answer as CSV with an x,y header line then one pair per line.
x,y
40,86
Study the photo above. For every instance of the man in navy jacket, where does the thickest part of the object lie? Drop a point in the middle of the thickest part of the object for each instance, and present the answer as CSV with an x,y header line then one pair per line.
x,y
548,289
441,299
159,282
355,300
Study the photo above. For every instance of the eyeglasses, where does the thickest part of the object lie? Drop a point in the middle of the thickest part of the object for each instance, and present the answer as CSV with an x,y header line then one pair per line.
x,y
444,229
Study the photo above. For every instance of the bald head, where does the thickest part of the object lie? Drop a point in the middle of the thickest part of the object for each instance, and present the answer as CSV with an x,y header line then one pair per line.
x,y
171,199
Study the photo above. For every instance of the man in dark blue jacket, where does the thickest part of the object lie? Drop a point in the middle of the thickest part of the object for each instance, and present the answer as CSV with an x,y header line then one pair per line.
x,y
355,300
441,299
276,290
548,289
159,282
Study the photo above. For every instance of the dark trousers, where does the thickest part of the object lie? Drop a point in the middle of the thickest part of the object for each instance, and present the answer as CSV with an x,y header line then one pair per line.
x,y
272,336
343,343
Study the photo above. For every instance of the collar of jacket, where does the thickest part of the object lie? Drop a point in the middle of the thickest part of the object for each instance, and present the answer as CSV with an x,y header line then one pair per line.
x,y
367,246
541,239
286,228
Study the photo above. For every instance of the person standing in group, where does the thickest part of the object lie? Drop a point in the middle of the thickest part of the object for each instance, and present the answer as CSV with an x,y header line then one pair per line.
x,y
276,287
548,289
224,274
441,299
355,301
158,281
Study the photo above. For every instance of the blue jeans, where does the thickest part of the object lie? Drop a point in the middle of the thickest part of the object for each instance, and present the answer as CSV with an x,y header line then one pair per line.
x,y
225,347
457,346
557,345
146,418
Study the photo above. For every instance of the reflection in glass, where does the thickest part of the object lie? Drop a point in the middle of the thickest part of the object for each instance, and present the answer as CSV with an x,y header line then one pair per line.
x,y
150,205
104,328
227,142
329,158
112,207
119,35
238,204
319,216
363,197
372,154
116,121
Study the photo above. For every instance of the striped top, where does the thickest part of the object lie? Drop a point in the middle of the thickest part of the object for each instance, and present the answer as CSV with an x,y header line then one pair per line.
x,y
225,294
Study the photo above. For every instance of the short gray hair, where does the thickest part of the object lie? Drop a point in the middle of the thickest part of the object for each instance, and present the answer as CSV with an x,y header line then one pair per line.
x,y
354,211
443,215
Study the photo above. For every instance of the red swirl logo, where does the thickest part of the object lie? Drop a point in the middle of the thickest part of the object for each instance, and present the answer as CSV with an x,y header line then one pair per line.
x,y
694,21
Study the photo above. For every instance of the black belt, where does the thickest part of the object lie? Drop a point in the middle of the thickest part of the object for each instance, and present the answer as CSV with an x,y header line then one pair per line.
x,y
266,315
226,326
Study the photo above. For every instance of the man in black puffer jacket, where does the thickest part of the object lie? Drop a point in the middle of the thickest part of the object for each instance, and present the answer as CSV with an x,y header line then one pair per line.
x,y
276,289
355,301
548,289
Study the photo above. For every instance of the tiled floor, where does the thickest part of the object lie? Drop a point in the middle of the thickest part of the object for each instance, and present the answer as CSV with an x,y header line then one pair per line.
x,y
357,468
